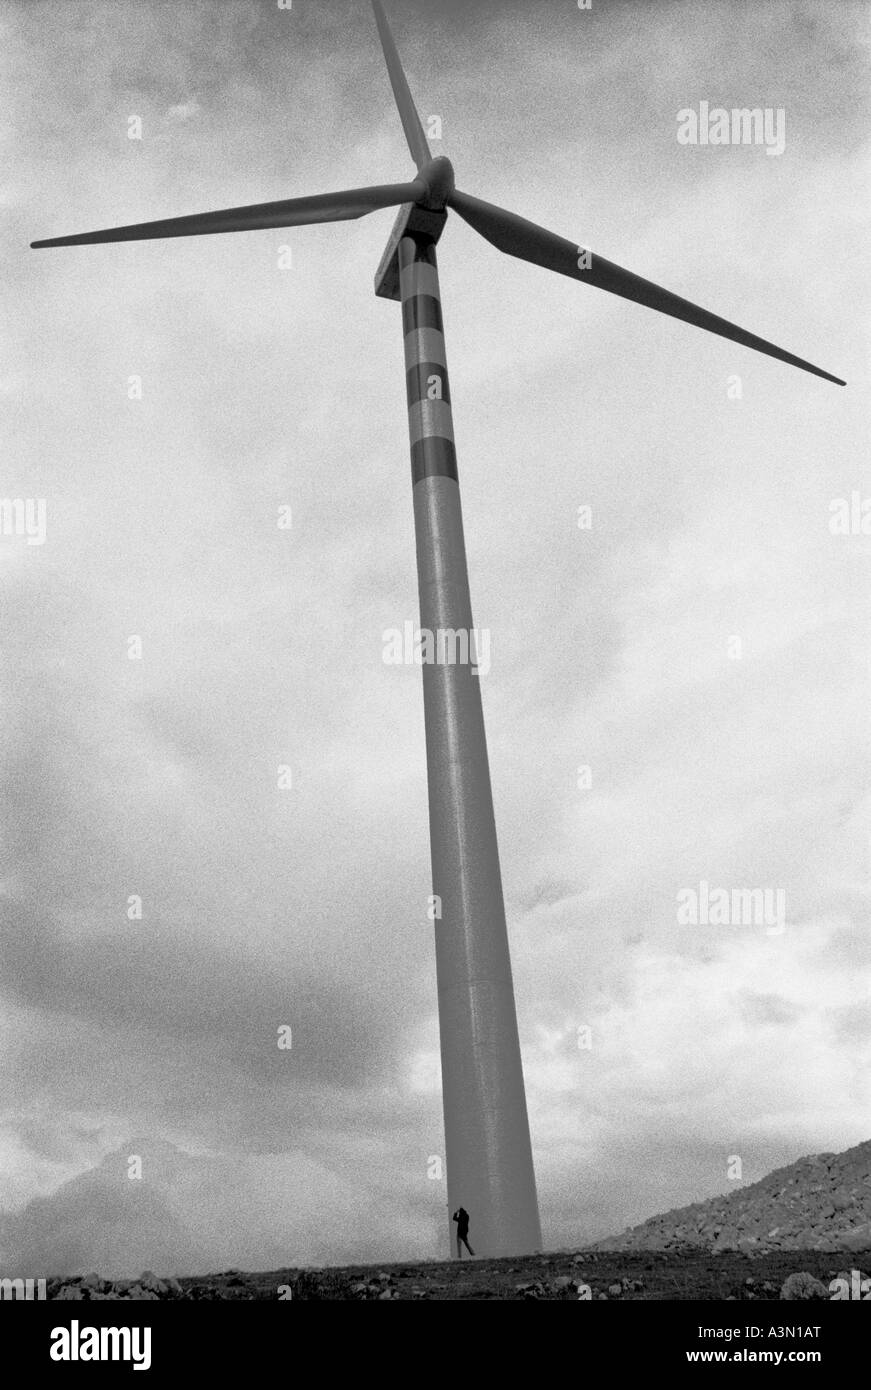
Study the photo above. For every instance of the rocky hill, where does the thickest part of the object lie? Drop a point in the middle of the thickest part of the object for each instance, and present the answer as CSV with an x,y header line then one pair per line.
x,y
822,1202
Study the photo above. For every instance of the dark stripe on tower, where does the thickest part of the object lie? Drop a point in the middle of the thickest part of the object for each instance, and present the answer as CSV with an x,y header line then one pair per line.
x,y
432,454
421,311
422,249
433,457
417,380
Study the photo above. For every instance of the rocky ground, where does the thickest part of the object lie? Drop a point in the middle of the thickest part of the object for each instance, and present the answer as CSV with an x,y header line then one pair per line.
x,y
689,1274
787,1236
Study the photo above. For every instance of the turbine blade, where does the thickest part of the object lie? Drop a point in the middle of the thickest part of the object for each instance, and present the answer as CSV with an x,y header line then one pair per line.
x,y
414,134
526,240
291,212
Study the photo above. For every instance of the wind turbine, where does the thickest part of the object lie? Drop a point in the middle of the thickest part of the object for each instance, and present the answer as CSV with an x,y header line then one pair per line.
x,y
489,1156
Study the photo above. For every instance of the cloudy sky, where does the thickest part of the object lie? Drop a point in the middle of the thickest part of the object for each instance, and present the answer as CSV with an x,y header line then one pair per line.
x,y
264,387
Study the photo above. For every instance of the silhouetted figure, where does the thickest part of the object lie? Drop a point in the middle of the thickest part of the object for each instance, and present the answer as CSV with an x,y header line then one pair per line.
x,y
461,1216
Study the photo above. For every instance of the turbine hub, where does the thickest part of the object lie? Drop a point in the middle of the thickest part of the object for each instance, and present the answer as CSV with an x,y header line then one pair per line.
x,y
438,179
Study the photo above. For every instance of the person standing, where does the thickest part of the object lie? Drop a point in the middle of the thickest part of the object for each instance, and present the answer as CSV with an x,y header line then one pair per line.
x,y
461,1216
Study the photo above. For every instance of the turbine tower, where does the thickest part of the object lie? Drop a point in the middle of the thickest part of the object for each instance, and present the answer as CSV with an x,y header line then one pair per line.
x,y
487,1145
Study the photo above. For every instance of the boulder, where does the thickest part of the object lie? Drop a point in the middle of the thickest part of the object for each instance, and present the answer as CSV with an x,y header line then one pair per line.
x,y
803,1286
148,1280
534,1290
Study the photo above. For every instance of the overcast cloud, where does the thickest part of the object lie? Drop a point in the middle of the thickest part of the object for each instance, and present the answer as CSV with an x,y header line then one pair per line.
x,y
265,387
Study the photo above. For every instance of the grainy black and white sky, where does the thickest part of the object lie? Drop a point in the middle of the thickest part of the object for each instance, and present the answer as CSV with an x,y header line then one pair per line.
x,y
264,387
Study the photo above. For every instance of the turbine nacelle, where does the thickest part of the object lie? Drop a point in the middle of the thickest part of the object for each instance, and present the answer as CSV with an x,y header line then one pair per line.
x,y
437,176
426,216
